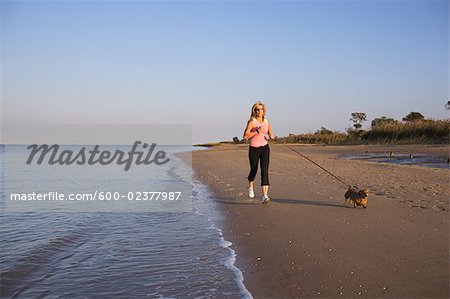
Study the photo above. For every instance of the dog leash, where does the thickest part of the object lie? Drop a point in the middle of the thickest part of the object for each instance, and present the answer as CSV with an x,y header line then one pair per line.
x,y
340,180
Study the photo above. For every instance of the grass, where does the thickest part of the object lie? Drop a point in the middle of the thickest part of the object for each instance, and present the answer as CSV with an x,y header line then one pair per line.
x,y
418,132
211,144
316,138
425,131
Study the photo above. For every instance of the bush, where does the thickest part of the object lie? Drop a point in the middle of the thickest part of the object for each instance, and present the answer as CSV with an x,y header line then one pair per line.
x,y
390,131
421,131
316,138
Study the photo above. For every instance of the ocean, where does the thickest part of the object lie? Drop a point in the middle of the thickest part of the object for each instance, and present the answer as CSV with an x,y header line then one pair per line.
x,y
163,252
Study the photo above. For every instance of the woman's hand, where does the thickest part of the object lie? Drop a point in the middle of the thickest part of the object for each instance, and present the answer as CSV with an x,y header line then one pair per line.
x,y
250,131
271,135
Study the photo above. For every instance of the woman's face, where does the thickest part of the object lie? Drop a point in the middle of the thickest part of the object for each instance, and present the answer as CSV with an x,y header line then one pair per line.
x,y
259,110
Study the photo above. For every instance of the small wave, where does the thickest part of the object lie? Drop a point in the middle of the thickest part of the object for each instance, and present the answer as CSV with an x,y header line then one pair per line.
x,y
37,259
229,263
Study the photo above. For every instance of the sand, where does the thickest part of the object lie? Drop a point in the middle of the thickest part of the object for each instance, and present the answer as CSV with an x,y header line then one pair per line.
x,y
308,243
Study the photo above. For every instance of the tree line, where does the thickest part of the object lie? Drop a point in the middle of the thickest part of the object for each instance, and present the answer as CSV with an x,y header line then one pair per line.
x,y
413,128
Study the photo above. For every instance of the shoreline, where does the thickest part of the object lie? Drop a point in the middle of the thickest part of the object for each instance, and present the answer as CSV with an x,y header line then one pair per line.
x,y
204,192
307,243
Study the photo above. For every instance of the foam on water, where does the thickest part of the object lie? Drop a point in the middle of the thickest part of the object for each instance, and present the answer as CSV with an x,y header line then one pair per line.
x,y
204,206
230,263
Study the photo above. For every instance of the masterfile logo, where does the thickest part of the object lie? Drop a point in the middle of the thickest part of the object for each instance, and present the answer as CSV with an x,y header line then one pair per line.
x,y
97,168
84,156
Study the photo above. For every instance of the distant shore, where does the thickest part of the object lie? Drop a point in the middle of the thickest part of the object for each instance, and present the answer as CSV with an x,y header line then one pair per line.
x,y
308,243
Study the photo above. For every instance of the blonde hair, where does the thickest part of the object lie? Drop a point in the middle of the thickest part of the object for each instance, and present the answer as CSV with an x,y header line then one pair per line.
x,y
253,113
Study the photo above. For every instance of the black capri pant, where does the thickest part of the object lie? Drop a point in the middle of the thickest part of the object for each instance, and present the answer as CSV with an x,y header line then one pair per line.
x,y
262,154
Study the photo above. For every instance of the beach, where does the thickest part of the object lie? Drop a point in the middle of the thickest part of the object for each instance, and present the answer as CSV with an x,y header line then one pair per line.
x,y
307,242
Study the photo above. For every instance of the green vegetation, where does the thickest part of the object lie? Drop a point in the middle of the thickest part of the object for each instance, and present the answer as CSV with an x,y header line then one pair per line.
x,y
420,131
211,144
414,116
413,129
383,120
358,118
317,138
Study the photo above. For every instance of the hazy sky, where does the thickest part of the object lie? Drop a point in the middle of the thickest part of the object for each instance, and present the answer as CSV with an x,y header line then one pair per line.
x,y
206,62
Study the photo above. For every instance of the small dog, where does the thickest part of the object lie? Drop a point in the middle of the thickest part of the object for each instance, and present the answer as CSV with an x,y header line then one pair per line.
x,y
356,197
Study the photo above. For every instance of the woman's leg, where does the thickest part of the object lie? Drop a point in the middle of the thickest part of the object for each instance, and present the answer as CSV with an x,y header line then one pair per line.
x,y
265,189
264,162
253,156
265,157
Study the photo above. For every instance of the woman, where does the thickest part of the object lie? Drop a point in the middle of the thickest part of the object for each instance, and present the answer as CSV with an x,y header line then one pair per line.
x,y
257,129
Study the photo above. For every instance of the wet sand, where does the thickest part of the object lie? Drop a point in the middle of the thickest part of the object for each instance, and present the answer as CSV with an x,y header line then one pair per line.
x,y
308,243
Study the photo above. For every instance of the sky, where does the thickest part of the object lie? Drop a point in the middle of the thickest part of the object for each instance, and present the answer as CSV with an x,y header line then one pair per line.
x,y
205,63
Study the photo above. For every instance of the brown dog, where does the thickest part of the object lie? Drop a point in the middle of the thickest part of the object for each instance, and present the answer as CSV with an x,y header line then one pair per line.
x,y
356,197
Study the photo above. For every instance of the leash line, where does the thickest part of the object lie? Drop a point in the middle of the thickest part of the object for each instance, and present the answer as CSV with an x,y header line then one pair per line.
x,y
347,185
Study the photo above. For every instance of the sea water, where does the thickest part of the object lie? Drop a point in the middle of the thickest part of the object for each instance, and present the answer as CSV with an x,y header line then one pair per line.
x,y
125,254
429,161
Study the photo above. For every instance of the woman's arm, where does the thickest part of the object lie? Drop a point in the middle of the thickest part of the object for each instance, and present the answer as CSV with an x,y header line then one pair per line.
x,y
271,136
248,130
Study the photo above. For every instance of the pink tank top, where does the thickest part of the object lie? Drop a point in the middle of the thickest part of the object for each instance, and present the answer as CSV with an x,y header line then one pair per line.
x,y
259,139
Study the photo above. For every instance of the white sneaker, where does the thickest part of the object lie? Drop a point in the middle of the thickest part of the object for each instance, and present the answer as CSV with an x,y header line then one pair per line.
x,y
251,194
265,199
